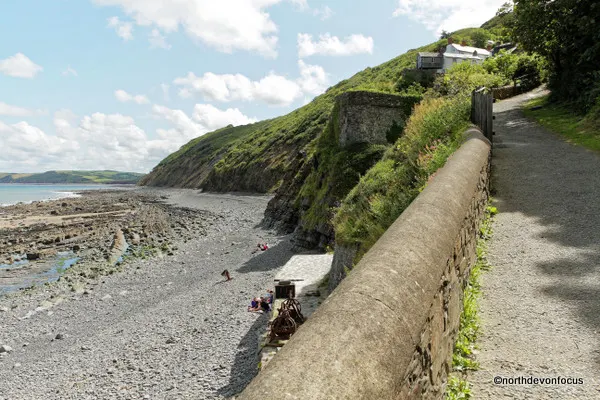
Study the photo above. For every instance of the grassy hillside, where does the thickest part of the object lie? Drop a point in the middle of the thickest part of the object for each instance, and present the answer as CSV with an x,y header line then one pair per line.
x,y
88,177
295,156
256,157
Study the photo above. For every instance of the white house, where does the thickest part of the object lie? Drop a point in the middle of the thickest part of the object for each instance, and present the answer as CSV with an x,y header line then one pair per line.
x,y
456,53
452,54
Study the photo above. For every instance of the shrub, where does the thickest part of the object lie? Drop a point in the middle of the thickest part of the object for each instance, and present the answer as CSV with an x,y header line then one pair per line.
x,y
432,133
464,77
338,169
480,38
530,68
412,77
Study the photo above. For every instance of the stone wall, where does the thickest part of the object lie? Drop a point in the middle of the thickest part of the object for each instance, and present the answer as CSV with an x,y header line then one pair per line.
x,y
343,259
369,117
505,92
387,331
432,359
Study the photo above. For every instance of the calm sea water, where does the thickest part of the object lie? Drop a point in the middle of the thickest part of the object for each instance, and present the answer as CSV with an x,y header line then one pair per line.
x,y
15,193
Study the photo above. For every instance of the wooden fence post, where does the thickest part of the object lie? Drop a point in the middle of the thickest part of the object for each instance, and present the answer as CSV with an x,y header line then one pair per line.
x,y
482,110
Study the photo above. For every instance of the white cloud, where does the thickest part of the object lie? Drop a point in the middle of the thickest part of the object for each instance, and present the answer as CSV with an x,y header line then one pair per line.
x,y
69,72
205,118
106,141
272,89
15,111
300,4
226,25
124,29
449,15
21,144
333,46
19,66
324,13
103,141
213,118
158,40
124,97
186,93
313,78
277,90
184,128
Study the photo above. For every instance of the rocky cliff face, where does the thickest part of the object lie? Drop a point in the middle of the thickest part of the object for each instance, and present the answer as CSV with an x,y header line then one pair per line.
x,y
250,158
361,127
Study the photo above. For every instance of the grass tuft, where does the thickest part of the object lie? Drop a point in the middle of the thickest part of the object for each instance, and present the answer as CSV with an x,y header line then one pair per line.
x,y
463,358
559,118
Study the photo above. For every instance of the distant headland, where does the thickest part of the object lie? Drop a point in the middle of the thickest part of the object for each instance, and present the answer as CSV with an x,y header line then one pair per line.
x,y
79,177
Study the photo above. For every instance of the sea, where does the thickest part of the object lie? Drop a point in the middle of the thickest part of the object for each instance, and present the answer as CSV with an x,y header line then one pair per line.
x,y
12,193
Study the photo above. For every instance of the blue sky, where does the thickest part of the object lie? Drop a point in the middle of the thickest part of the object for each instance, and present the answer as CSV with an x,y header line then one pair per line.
x,y
119,84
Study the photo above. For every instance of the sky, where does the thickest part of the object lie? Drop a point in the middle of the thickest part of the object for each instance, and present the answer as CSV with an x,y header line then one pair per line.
x,y
120,84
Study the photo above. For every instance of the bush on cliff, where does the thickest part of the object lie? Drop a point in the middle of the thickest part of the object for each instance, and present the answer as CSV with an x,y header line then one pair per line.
x,y
465,77
433,132
431,135
337,169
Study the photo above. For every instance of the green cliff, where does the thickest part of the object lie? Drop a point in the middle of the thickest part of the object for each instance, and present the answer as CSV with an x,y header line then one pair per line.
x,y
298,156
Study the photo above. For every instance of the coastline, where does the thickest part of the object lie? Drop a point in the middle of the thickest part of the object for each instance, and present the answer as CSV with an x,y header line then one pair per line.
x,y
89,227
162,324
59,194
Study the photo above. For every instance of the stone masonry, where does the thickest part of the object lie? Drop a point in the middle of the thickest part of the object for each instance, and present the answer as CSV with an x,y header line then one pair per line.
x,y
432,360
367,117
388,330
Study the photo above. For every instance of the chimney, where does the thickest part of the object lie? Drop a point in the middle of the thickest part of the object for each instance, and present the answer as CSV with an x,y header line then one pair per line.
x,y
463,43
450,40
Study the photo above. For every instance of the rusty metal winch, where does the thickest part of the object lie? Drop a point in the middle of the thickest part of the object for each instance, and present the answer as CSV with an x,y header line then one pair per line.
x,y
288,318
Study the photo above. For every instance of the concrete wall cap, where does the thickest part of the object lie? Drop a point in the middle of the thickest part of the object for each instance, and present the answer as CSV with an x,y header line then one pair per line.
x,y
360,342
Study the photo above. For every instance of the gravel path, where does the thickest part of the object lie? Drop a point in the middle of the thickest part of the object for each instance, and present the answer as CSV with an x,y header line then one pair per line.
x,y
167,328
541,301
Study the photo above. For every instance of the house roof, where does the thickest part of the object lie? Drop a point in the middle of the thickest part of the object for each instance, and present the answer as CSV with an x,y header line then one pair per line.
x,y
469,49
509,47
429,54
463,56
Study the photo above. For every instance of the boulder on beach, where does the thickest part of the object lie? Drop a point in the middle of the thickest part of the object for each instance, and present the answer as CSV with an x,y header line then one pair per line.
x,y
5,349
119,246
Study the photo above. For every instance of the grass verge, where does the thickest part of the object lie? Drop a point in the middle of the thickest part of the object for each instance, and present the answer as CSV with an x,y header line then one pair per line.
x,y
559,118
463,359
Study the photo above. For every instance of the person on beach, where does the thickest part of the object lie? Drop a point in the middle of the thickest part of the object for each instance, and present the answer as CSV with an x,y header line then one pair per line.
x,y
226,275
269,296
254,305
264,305
261,247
